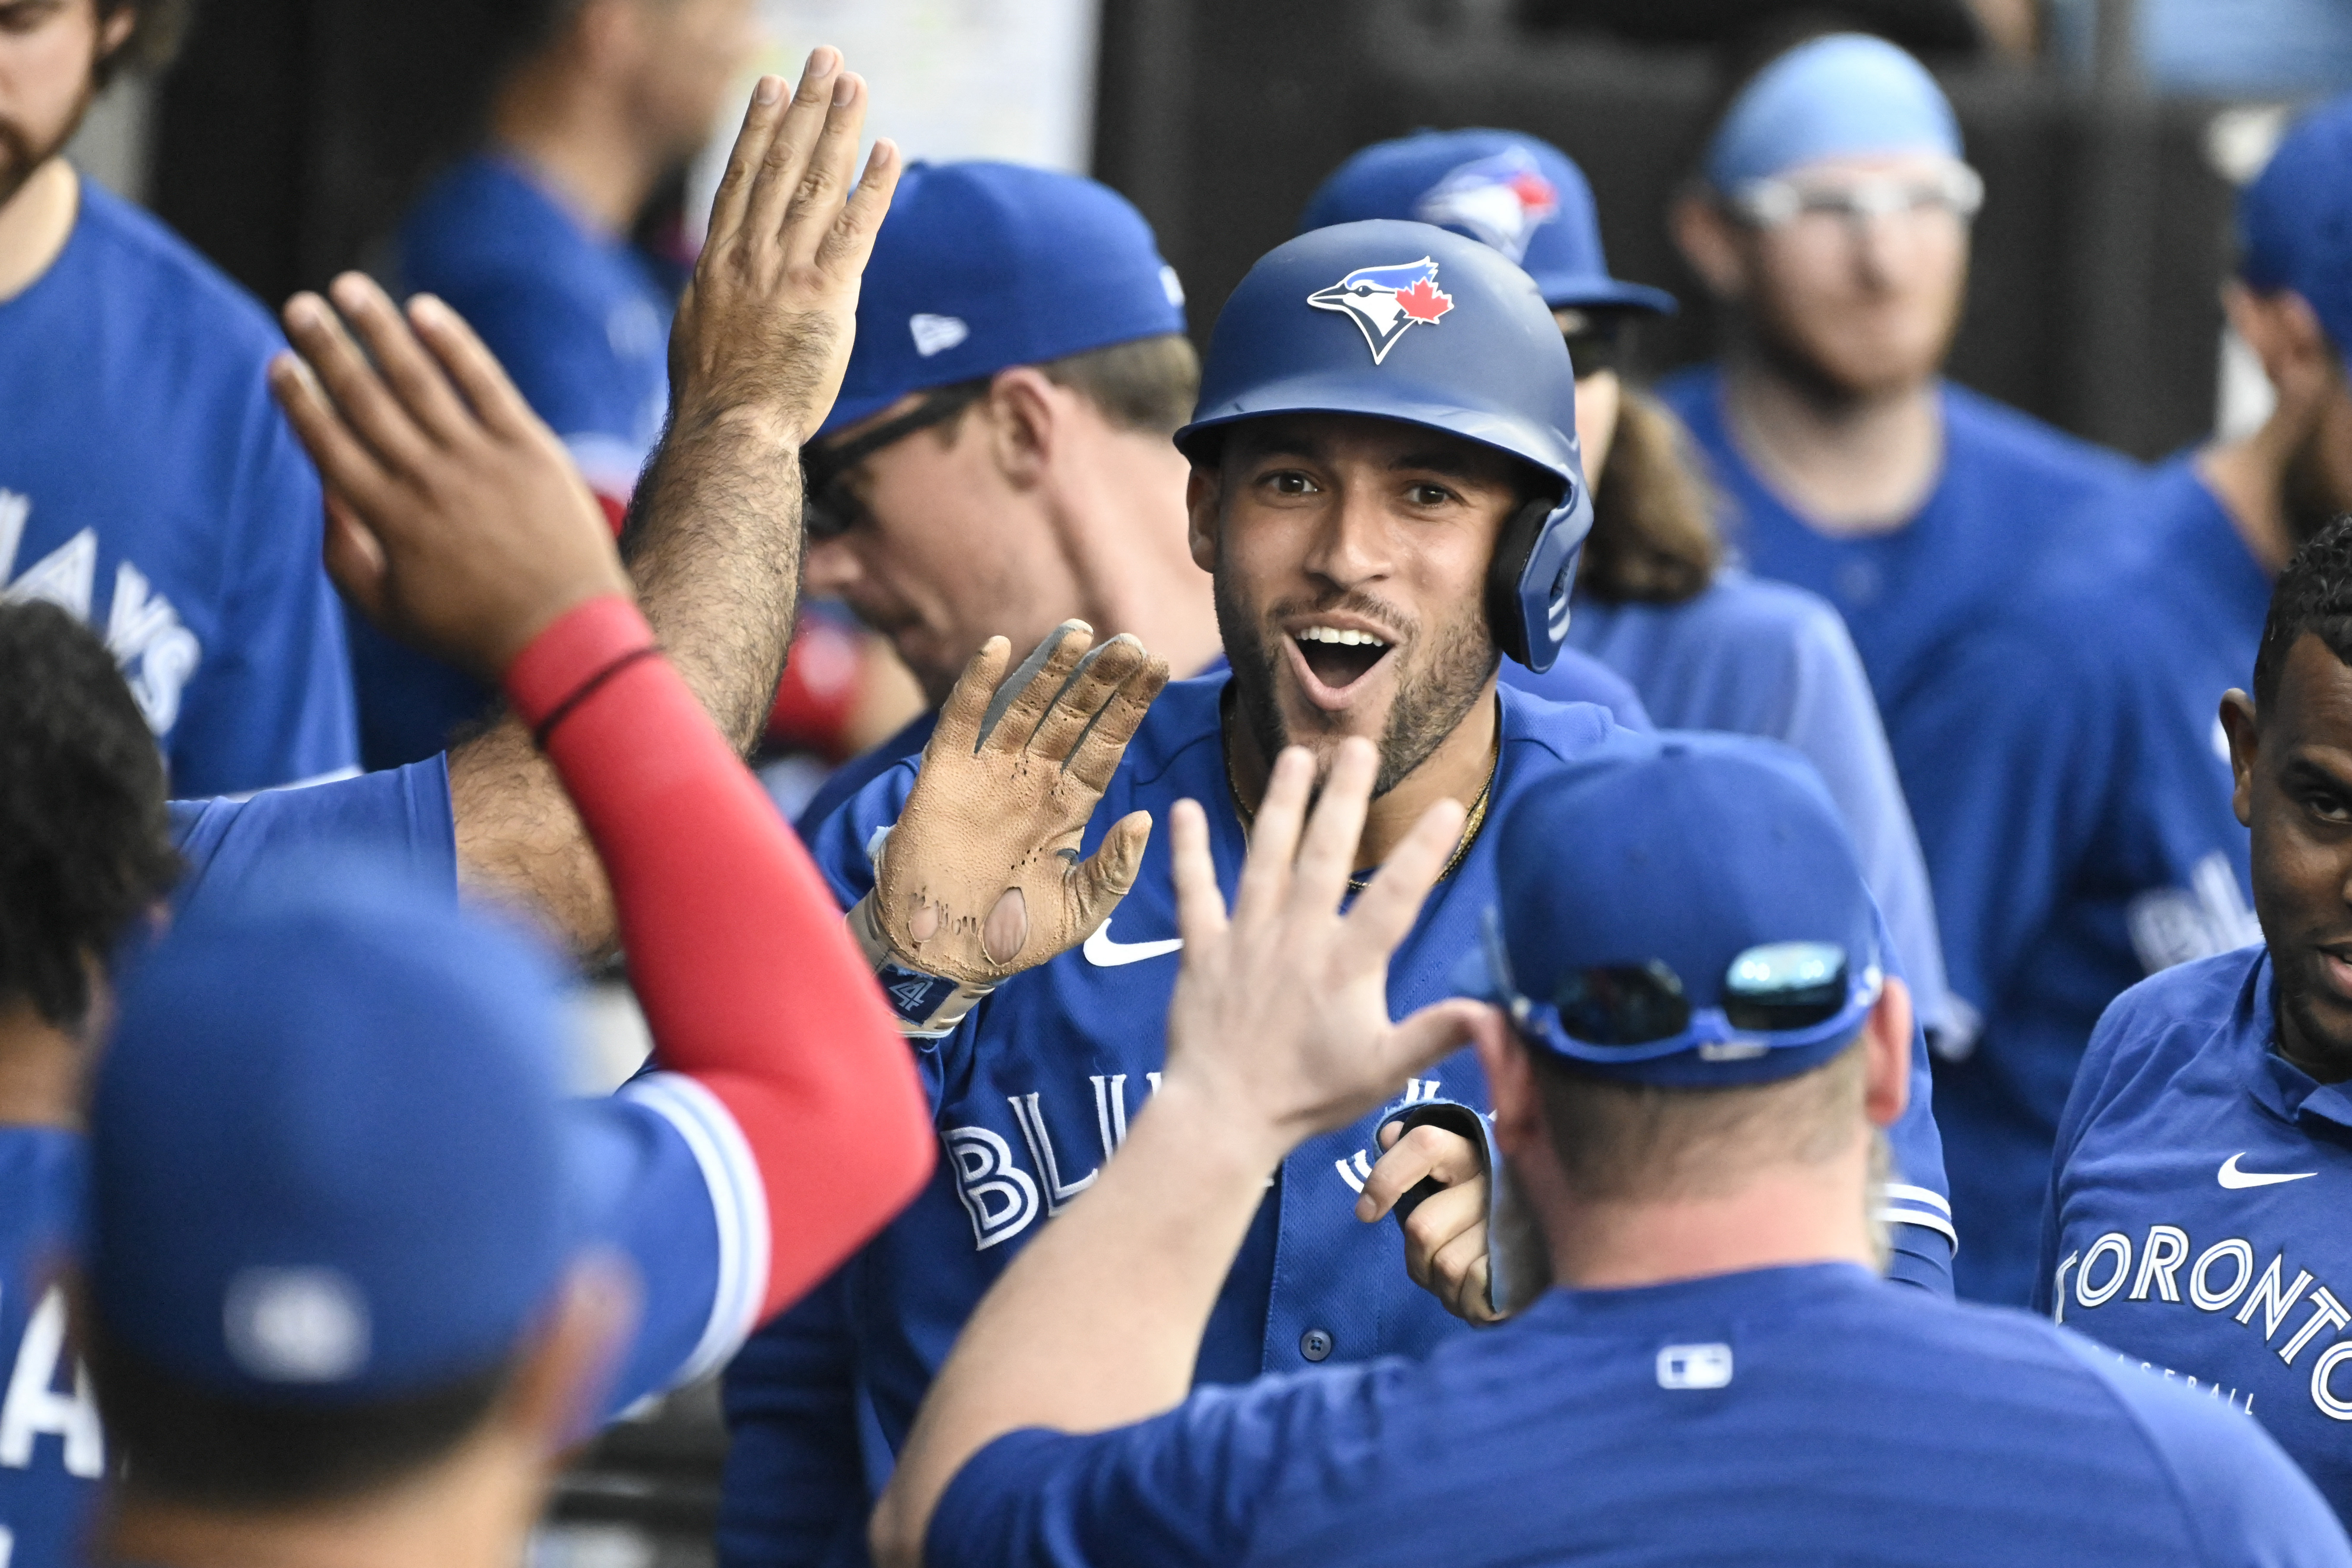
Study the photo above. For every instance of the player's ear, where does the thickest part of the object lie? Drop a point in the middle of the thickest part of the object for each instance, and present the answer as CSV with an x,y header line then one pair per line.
x,y
568,1366
1511,1084
2245,743
1028,416
1703,233
1886,1055
1204,514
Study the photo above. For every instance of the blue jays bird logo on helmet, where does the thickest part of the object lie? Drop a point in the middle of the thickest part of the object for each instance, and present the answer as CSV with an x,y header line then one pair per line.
x,y
1502,199
1385,302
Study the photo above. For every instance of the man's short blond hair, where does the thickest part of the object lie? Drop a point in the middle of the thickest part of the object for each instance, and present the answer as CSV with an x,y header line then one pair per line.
x,y
1617,1141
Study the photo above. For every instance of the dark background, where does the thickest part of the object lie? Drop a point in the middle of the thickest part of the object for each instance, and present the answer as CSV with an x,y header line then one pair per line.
x,y
292,132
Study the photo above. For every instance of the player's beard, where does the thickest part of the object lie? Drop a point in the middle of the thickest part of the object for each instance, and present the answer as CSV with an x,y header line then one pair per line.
x,y
20,155
1439,677
1780,346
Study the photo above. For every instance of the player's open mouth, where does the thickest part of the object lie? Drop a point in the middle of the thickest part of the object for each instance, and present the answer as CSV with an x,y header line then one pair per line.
x,y
1339,657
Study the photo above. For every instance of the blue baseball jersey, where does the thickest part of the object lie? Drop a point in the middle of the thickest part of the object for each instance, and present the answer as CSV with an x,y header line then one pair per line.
x,y
581,322
1036,1088
1794,1416
2013,493
52,1453
1764,658
2071,786
148,485
2195,1217
658,1174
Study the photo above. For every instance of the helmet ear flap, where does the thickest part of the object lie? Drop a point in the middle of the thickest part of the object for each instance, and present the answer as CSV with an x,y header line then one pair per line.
x,y
1506,616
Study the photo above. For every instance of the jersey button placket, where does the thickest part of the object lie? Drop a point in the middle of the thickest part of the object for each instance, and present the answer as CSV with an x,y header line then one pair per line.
x,y
1315,1344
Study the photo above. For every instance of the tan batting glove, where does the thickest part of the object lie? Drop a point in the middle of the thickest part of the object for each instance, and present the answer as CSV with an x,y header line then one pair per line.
x,y
980,879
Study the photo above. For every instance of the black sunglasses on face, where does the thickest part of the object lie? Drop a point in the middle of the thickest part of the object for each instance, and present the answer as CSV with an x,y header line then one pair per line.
x,y
1597,341
829,509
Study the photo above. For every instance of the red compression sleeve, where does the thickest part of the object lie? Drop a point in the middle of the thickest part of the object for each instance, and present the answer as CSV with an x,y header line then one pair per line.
x,y
737,949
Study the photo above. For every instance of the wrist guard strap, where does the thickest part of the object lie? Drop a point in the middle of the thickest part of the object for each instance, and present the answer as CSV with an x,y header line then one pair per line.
x,y
928,1005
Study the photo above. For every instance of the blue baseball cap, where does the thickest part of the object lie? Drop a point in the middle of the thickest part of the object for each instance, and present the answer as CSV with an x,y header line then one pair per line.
x,y
1518,193
326,1144
980,266
1708,870
1847,95
2294,221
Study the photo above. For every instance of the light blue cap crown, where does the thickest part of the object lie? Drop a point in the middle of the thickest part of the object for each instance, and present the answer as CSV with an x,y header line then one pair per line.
x,y
1844,95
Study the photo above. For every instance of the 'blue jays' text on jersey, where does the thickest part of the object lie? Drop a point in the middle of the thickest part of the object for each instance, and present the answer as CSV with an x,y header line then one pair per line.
x,y
52,1453
149,484
1764,658
1034,1090
2011,494
581,324
2071,786
1794,1416
2195,1219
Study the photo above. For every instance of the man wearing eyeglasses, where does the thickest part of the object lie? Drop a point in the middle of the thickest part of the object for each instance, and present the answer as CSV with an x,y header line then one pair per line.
x,y
2080,824
1693,1055
1830,220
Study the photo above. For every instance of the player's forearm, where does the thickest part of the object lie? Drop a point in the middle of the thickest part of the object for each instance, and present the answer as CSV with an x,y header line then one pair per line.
x,y
1098,1323
739,956
714,543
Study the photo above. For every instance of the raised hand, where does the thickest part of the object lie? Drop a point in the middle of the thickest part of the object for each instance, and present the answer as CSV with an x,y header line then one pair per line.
x,y
766,323
981,877
454,517
1281,1014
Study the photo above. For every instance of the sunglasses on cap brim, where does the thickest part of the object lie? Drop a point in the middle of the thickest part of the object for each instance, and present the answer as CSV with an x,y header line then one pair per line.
x,y
829,508
1781,995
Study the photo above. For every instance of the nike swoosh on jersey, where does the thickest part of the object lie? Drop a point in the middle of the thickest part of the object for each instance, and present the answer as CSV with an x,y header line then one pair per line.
x,y
1100,950
2233,1178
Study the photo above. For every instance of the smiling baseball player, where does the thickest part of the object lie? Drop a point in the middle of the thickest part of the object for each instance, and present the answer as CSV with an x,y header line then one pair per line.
x,y
1387,489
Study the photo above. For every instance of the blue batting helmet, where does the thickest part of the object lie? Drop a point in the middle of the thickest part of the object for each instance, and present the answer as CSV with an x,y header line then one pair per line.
x,y
1401,321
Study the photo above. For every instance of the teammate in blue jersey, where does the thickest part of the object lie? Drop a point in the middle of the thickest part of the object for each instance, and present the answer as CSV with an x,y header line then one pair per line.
x,y
1831,219
1693,1051
450,504
1372,565
529,241
2078,824
147,484
1707,647
2194,1221
998,462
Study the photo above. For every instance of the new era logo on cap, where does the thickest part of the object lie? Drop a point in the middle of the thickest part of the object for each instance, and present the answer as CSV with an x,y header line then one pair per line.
x,y
936,334
1387,301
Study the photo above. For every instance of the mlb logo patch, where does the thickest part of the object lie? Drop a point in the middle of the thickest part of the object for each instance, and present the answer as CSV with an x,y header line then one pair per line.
x,y
1502,200
1385,302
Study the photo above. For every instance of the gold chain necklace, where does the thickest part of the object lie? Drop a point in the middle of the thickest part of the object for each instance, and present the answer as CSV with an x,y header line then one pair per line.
x,y
1470,826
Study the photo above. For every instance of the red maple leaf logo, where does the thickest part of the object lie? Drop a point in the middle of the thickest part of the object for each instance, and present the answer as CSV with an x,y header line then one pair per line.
x,y
1424,301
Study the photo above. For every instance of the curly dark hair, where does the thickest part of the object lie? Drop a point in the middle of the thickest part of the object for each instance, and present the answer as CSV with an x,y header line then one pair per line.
x,y
85,843
2314,594
1654,539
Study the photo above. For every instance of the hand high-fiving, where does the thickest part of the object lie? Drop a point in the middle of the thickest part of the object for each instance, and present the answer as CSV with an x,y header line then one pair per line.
x,y
454,517
1281,1012
765,325
981,877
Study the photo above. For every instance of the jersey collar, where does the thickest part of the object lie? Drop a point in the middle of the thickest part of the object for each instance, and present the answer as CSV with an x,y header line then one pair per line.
x,y
2277,1085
